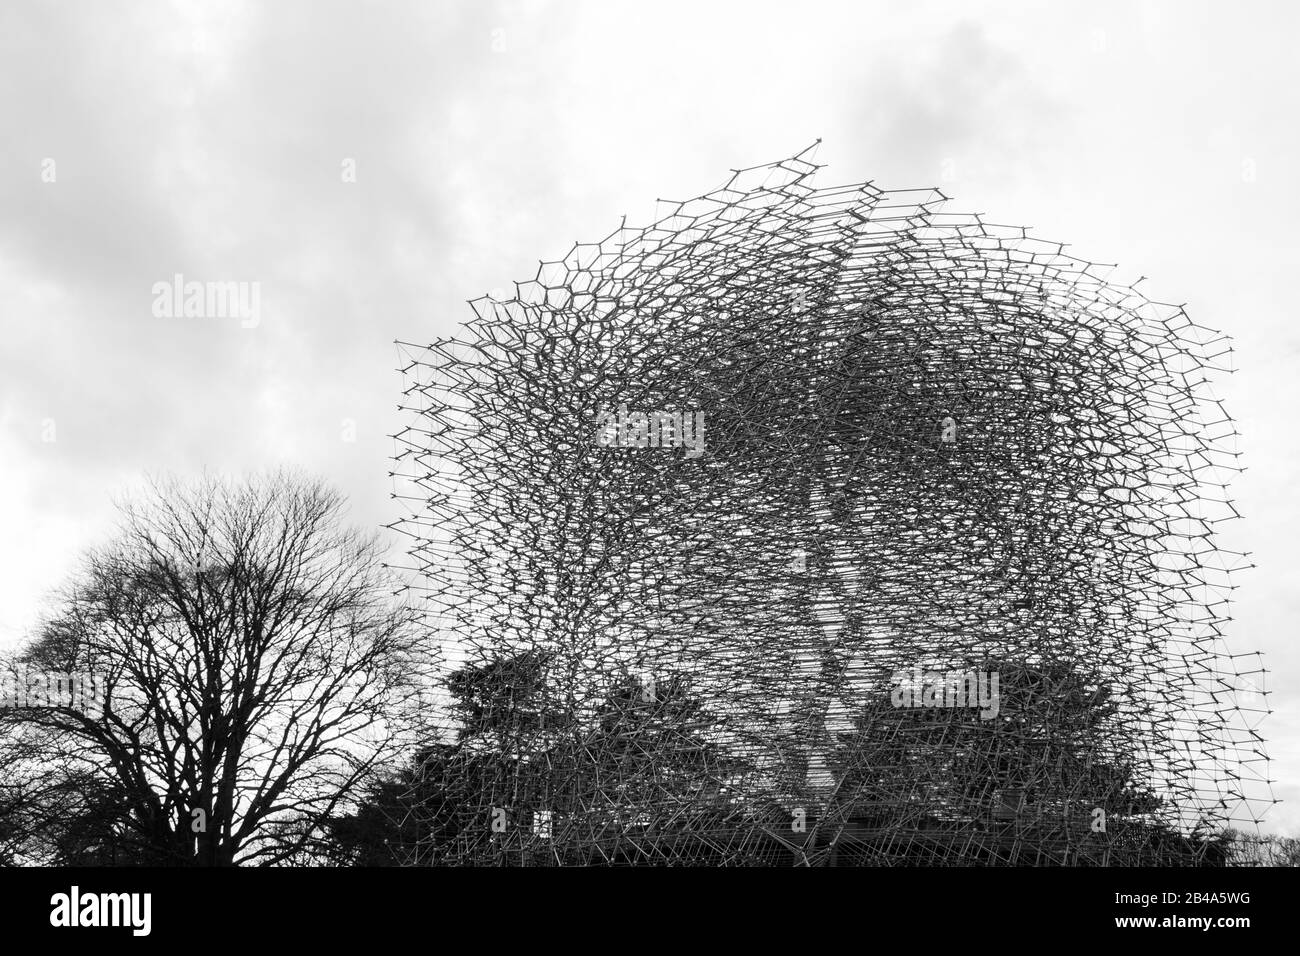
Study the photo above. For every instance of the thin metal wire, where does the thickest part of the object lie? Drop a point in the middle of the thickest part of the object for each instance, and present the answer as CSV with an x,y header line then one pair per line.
x,y
928,442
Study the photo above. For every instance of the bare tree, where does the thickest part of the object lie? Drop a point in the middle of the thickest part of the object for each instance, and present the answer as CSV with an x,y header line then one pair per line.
x,y
252,664
1261,849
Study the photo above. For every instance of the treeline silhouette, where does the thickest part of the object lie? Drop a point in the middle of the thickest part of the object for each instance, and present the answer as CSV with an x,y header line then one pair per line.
x,y
265,701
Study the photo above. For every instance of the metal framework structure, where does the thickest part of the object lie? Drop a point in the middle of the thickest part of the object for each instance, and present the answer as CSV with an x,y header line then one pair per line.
x,y
822,525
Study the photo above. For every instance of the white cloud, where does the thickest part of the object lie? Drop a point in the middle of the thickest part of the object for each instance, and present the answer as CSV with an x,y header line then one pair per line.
x,y
207,139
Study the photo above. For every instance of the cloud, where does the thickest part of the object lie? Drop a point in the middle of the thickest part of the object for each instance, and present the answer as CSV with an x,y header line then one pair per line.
x,y
210,140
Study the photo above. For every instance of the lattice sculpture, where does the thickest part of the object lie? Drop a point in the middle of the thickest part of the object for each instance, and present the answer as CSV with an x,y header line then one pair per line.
x,y
825,526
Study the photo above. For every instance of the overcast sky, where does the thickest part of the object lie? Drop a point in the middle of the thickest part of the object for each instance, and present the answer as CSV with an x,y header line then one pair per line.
x,y
140,140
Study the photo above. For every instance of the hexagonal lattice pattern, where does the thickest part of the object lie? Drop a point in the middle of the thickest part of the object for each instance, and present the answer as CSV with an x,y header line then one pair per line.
x,y
909,443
